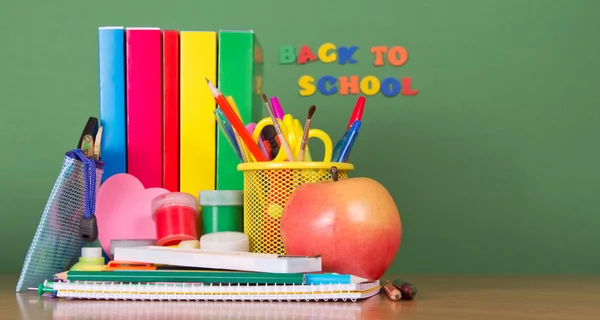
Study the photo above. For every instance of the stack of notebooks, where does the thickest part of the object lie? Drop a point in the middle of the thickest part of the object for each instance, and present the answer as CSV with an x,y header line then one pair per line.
x,y
156,112
198,275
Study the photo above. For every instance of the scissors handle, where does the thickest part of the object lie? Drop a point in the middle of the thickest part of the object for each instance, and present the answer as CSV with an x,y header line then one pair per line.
x,y
324,137
293,132
264,130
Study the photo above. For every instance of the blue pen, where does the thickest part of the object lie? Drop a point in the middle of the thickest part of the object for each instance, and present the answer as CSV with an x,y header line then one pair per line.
x,y
228,131
340,143
352,134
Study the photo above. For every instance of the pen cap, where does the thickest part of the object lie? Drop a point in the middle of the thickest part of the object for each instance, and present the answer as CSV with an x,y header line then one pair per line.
x,y
175,199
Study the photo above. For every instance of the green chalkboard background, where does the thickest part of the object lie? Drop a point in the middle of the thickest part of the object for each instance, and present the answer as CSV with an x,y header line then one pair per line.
x,y
493,165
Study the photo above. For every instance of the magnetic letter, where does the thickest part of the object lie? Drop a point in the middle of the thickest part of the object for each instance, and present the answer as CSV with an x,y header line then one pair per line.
x,y
324,54
286,55
390,87
397,56
307,88
346,54
258,54
406,90
378,52
369,85
349,83
305,55
322,85
258,84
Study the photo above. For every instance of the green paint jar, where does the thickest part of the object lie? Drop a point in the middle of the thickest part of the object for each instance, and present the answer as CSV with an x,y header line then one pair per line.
x,y
222,210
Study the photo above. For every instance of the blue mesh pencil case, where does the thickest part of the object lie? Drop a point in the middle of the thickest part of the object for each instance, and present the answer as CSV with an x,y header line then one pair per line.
x,y
67,222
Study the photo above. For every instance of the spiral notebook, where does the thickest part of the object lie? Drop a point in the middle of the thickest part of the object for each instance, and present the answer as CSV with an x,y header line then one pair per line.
x,y
212,292
187,310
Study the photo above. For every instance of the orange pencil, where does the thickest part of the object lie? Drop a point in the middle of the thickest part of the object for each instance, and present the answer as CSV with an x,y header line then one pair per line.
x,y
390,290
236,122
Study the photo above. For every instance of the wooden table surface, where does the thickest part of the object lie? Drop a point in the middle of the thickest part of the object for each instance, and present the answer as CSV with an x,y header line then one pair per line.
x,y
439,297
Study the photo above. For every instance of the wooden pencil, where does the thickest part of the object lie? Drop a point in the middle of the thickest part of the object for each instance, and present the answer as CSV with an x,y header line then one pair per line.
x,y
390,290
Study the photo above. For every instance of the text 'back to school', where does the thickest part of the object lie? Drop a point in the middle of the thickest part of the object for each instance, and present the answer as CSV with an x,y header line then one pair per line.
x,y
369,85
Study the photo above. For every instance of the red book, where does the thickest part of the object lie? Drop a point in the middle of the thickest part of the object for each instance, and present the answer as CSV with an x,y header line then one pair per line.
x,y
144,105
171,110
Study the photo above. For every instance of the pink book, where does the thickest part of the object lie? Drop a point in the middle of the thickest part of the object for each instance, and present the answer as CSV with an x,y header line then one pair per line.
x,y
144,105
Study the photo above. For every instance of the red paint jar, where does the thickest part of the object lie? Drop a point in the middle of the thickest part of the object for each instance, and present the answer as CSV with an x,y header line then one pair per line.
x,y
175,217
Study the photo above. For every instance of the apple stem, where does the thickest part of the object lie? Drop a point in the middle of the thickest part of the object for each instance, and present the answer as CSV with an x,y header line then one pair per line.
x,y
334,173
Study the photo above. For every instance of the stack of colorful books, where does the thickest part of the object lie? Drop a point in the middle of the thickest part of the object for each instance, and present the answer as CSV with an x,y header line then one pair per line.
x,y
157,113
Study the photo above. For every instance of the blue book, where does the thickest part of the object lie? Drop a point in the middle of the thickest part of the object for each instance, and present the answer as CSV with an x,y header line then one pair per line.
x,y
111,62
332,278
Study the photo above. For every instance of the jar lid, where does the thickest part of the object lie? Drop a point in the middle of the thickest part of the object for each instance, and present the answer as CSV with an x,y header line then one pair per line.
x,y
91,252
221,198
174,199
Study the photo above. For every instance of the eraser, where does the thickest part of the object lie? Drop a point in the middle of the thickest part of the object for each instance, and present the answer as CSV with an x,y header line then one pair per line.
x,y
225,241
130,243
189,244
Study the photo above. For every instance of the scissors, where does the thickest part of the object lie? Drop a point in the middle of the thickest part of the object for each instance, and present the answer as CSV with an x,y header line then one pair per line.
x,y
293,131
250,127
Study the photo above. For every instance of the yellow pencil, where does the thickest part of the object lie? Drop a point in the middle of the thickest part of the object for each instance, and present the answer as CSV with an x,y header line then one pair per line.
x,y
243,149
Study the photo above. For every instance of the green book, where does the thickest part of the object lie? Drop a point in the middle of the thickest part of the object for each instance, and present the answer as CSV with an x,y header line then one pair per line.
x,y
199,276
240,75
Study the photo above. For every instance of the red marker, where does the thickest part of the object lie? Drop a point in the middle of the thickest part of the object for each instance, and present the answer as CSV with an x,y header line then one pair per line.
x,y
358,111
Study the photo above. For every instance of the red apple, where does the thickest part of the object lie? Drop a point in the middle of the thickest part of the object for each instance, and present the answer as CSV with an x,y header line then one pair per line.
x,y
352,223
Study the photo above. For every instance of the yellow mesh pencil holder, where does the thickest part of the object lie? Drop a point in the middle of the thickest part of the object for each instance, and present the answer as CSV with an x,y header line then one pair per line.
x,y
267,188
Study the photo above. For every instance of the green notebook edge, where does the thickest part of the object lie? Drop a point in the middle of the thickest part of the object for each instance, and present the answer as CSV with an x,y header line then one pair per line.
x,y
143,276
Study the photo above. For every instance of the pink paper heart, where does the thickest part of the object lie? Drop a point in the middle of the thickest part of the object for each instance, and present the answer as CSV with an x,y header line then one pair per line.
x,y
123,210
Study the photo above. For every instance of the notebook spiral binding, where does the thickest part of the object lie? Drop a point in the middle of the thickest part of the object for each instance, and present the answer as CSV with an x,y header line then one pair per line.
x,y
205,292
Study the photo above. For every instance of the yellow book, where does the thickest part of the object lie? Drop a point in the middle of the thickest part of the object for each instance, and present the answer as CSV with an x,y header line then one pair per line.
x,y
197,121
